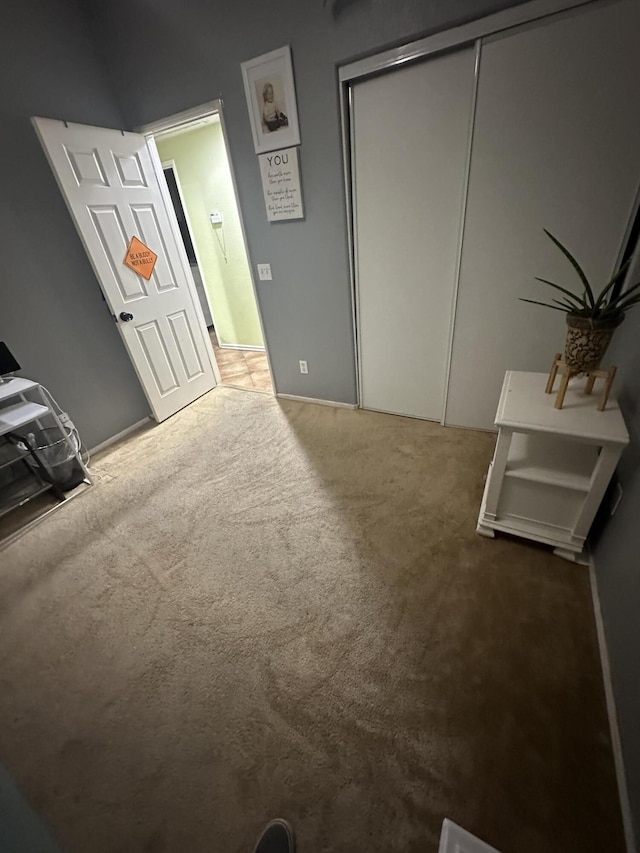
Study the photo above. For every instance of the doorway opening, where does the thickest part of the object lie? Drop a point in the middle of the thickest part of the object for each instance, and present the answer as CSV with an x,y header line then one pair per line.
x,y
197,170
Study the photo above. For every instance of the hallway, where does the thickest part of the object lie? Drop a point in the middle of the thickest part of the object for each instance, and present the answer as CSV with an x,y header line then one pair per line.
x,y
247,369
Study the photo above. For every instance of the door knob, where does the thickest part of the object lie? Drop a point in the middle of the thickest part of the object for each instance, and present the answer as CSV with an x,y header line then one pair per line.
x,y
125,316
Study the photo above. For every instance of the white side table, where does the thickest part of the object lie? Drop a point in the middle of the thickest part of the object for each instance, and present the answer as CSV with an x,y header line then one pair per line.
x,y
551,467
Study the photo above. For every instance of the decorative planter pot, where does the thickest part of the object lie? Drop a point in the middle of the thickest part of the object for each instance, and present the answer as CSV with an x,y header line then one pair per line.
x,y
587,341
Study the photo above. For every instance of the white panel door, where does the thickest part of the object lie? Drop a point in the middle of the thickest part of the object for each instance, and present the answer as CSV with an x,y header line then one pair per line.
x,y
410,139
556,145
109,183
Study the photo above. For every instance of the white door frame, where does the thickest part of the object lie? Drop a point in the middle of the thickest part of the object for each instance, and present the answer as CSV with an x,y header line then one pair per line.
x,y
186,117
173,222
466,34
171,164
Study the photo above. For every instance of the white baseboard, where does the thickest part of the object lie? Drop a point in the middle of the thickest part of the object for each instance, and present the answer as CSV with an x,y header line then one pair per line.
x,y
241,346
336,405
125,432
623,791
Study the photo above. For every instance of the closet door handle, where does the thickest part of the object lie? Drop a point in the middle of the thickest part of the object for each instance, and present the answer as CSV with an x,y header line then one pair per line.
x,y
125,316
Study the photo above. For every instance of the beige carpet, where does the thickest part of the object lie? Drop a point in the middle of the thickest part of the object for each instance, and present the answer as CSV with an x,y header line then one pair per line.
x,y
271,608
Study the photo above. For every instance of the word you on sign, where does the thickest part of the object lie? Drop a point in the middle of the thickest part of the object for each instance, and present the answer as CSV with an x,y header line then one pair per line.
x,y
281,184
140,258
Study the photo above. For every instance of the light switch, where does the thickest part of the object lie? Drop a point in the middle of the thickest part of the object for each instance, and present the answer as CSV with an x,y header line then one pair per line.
x,y
264,272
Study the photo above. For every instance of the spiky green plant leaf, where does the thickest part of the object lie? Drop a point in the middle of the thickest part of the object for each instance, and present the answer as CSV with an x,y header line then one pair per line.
x,y
574,264
565,305
624,306
580,303
545,304
607,306
617,277
620,297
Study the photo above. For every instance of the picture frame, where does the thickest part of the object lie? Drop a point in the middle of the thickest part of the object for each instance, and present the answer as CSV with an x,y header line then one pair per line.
x,y
271,100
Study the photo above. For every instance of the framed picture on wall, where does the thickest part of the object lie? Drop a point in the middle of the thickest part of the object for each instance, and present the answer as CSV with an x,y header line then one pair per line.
x,y
271,100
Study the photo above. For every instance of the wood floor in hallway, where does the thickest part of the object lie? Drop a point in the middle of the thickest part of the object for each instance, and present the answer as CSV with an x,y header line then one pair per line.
x,y
247,369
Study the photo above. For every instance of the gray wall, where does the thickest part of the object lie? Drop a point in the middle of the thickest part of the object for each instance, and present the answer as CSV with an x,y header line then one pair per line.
x,y
51,311
617,560
198,46
52,315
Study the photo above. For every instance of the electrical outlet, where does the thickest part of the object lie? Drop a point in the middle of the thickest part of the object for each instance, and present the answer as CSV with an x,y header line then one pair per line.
x,y
66,421
303,366
264,272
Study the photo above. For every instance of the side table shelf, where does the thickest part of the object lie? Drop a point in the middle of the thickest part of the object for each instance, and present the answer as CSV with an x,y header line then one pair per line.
x,y
20,414
19,491
9,454
25,408
551,467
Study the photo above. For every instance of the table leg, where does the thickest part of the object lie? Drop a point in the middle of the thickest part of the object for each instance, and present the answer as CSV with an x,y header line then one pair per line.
x,y
566,376
552,374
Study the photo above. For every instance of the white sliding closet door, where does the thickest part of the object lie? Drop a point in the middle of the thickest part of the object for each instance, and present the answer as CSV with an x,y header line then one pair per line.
x,y
557,145
410,141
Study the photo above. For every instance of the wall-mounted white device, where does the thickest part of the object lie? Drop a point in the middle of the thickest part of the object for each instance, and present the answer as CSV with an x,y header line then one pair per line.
x,y
216,218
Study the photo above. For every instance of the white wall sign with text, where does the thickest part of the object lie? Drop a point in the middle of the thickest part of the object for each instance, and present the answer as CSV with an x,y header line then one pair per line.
x,y
281,184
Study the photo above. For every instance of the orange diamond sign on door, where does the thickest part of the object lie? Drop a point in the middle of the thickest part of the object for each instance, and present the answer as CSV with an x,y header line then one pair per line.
x,y
140,258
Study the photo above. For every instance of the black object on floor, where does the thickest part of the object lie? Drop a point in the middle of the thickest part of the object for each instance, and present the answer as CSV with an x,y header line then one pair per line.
x,y
277,837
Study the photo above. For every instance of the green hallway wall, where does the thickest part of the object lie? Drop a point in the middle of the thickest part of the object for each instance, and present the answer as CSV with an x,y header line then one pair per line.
x,y
204,178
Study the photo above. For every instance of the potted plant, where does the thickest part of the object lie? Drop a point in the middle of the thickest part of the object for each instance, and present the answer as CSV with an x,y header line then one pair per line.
x,y
591,319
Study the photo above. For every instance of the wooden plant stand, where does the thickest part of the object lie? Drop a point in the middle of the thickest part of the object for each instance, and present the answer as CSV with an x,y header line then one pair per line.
x,y
568,372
